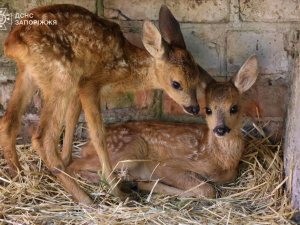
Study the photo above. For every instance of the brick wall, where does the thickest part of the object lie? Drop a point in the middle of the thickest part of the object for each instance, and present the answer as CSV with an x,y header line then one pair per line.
x,y
220,34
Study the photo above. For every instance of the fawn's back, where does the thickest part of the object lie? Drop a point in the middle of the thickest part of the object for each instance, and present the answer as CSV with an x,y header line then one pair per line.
x,y
79,42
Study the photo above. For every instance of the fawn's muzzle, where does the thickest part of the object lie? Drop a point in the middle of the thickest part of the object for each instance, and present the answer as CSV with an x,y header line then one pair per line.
x,y
192,109
221,131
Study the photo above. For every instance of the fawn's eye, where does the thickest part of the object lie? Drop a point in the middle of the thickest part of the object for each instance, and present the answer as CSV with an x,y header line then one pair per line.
x,y
208,111
234,109
176,85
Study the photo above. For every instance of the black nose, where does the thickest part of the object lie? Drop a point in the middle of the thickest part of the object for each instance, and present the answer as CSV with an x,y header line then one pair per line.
x,y
221,130
192,109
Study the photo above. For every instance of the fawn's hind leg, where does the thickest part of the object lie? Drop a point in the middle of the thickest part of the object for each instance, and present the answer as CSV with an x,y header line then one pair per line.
x,y
205,191
45,140
87,168
126,158
72,116
187,183
11,121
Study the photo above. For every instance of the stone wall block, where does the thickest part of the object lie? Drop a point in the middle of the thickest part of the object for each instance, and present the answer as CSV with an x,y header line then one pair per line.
x,y
268,46
183,10
270,10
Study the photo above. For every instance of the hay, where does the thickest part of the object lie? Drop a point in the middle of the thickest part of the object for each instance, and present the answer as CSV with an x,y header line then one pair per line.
x,y
256,197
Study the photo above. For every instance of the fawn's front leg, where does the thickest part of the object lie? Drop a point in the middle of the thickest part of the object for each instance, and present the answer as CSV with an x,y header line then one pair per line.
x,y
89,93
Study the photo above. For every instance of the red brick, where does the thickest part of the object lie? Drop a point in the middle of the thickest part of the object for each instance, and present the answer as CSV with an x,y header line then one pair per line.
x,y
120,101
275,127
252,108
144,98
171,107
26,131
271,100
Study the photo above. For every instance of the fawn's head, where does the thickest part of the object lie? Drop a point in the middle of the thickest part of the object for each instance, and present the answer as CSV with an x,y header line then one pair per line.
x,y
175,69
223,107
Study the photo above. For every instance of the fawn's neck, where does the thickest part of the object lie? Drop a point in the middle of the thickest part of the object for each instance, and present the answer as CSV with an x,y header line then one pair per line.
x,y
142,73
227,151
142,67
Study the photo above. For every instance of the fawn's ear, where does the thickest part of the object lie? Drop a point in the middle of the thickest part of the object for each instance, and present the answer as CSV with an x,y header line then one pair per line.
x,y
169,28
247,75
152,39
204,80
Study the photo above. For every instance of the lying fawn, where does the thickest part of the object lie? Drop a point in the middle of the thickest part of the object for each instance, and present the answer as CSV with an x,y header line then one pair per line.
x,y
181,155
72,62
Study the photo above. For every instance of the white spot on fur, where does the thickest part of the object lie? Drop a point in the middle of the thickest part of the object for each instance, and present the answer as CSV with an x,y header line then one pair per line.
x,y
127,139
122,63
203,147
115,139
200,132
188,140
166,135
193,156
120,145
124,131
153,140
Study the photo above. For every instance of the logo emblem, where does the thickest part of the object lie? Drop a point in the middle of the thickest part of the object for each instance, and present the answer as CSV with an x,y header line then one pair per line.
x,y
4,19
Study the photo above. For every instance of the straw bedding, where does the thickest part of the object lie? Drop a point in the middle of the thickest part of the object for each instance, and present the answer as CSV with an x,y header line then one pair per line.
x,y
257,196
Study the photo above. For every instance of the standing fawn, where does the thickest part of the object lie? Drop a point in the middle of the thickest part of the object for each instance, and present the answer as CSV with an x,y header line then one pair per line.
x,y
75,60
181,155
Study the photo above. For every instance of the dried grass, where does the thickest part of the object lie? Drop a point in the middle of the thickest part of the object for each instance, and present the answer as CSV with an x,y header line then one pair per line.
x,y
256,197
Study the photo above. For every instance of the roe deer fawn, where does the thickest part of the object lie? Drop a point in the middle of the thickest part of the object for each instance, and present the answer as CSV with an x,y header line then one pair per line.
x,y
181,155
72,62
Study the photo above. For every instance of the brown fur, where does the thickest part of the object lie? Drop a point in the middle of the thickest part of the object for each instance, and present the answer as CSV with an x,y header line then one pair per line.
x,y
75,60
180,155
